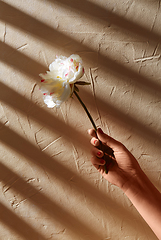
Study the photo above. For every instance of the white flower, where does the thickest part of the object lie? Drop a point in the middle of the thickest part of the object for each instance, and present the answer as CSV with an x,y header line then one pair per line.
x,y
57,84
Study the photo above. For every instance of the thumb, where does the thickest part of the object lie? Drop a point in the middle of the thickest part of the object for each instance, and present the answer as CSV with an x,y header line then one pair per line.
x,y
109,141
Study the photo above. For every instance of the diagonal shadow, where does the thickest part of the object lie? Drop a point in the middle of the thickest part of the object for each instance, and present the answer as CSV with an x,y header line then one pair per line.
x,y
19,144
16,223
40,115
12,16
104,16
48,206
30,65
126,120
78,184
22,104
15,100
20,61
38,157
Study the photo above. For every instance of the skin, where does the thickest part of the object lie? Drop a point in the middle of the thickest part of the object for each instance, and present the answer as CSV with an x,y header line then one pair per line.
x,y
125,172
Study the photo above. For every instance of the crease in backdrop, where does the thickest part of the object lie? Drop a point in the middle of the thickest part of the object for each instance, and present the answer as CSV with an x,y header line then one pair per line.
x,y
124,98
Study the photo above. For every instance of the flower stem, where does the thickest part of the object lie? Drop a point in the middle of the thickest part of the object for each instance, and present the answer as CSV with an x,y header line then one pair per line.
x,y
89,115
94,125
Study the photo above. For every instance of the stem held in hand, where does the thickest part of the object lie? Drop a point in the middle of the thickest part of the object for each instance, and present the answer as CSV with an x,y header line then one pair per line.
x,y
94,126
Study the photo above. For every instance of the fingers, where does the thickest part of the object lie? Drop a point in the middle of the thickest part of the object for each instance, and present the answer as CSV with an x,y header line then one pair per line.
x,y
97,153
97,158
95,142
102,162
92,132
109,141
104,138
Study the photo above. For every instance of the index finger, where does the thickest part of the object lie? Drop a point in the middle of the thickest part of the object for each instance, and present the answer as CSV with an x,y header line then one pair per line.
x,y
92,133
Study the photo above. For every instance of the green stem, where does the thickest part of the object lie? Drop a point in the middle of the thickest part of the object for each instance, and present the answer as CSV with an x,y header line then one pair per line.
x,y
89,115
91,119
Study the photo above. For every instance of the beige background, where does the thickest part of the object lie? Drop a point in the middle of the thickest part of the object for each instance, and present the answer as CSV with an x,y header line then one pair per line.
x,y
48,187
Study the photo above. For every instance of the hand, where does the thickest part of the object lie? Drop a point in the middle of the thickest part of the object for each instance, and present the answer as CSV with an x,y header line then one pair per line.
x,y
125,172
122,167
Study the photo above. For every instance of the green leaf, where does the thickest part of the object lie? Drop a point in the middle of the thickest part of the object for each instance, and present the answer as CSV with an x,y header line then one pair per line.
x,y
82,83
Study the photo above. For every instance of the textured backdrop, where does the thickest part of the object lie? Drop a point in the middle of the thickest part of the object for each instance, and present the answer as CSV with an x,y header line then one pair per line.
x,y
48,186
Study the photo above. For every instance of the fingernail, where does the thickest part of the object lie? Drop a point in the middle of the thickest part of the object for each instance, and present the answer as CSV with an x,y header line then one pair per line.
x,y
102,161
95,141
100,130
99,153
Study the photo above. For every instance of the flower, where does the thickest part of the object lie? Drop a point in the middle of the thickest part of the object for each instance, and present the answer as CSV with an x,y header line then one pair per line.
x,y
57,84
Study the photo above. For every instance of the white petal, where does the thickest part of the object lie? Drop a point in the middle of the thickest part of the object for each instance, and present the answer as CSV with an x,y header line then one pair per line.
x,y
56,83
76,57
54,66
65,95
77,75
49,101
59,61
50,86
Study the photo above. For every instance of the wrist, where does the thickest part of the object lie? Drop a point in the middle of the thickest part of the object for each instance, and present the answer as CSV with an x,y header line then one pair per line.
x,y
139,187
134,183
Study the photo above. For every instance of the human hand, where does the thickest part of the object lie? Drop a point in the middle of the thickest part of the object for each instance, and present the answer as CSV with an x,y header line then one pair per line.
x,y
125,172
121,164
